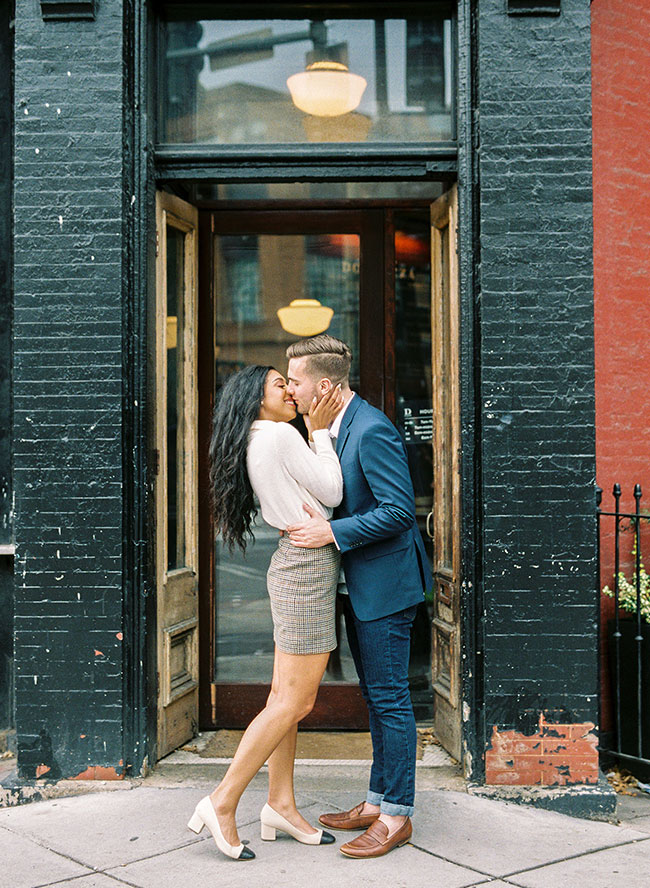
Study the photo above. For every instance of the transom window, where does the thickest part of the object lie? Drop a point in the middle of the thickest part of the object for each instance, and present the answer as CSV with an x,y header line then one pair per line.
x,y
273,81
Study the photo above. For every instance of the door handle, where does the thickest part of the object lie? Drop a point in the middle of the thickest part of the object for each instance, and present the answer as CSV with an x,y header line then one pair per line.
x,y
429,517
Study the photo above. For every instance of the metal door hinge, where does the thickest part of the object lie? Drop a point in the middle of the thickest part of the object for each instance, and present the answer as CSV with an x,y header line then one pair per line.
x,y
156,462
157,243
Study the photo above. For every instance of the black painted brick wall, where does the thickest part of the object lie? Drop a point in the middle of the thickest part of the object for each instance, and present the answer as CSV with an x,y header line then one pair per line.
x,y
67,390
6,490
537,377
537,373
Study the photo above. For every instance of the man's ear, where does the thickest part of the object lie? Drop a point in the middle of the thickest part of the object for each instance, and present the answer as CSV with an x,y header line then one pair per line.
x,y
324,386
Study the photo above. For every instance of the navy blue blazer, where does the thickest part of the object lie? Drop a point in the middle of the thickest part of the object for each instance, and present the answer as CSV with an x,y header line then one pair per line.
x,y
386,569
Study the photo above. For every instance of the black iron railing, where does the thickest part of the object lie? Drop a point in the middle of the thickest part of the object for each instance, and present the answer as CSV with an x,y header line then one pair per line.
x,y
629,637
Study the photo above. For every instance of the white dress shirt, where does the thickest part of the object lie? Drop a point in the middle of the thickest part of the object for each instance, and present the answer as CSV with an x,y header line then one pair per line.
x,y
285,473
334,430
338,419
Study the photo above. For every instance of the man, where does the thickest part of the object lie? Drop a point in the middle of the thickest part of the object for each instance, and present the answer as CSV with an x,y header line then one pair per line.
x,y
385,572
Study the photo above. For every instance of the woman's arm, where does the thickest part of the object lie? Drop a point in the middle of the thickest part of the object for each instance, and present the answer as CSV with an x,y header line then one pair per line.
x,y
318,471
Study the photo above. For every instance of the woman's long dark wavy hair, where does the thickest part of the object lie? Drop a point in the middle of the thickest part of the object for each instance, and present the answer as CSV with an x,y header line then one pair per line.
x,y
238,406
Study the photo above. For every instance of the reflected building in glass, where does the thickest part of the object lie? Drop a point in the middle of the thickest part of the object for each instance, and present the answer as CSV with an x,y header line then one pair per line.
x,y
226,81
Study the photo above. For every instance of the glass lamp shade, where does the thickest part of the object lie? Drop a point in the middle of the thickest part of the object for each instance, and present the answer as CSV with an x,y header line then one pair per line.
x,y
305,317
326,89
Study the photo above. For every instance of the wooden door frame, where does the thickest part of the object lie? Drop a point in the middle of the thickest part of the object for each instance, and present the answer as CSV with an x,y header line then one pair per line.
x,y
177,611
446,630
236,708
141,166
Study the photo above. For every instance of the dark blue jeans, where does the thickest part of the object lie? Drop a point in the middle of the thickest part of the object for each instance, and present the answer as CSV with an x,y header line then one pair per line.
x,y
380,649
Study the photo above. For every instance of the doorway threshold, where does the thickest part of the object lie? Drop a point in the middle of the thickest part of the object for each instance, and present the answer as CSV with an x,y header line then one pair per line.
x,y
324,758
316,748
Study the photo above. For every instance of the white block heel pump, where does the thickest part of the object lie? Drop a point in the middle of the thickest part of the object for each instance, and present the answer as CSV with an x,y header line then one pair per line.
x,y
205,815
271,822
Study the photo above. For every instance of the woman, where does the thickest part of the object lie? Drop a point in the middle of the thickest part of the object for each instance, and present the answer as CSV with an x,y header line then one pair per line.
x,y
254,452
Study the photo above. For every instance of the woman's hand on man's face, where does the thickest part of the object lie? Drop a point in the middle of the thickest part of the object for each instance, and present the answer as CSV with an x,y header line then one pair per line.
x,y
322,413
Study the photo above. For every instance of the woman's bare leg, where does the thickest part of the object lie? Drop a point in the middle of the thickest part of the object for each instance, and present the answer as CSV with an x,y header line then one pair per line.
x,y
281,768
281,792
296,679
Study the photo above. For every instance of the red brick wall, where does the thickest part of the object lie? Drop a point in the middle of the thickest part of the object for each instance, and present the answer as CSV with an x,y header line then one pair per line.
x,y
621,178
555,755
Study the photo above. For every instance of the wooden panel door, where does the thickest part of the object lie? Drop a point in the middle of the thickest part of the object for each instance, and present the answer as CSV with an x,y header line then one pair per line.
x,y
446,473
176,478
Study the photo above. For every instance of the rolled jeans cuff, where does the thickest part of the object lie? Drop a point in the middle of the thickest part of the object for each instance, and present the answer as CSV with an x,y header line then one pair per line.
x,y
374,798
396,810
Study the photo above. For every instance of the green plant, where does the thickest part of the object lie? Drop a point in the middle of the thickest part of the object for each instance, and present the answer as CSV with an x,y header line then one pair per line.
x,y
627,591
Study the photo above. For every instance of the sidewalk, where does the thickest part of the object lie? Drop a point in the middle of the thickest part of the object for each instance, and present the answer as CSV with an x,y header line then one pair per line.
x,y
134,833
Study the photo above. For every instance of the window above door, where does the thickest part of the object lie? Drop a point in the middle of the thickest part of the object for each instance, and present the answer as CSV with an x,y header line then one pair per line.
x,y
344,79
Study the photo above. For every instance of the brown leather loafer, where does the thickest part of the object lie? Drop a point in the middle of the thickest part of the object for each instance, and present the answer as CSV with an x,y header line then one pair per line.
x,y
352,819
376,842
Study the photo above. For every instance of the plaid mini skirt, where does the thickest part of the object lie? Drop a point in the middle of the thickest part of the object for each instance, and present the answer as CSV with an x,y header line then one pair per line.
x,y
302,588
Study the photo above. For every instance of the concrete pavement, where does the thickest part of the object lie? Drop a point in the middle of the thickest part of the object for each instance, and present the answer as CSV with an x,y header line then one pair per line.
x,y
136,834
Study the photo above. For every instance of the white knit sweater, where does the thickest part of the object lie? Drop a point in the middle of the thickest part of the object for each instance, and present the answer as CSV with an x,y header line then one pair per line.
x,y
285,473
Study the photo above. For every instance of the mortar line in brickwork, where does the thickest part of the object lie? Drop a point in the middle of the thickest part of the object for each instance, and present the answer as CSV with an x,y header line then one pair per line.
x,y
575,856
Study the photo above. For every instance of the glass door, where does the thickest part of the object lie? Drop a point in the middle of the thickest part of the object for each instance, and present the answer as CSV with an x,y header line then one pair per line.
x,y
261,262
255,275
409,237
372,268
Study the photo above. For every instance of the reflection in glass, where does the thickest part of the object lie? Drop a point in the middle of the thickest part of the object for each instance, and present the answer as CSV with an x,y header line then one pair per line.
x,y
225,82
415,406
244,625
315,191
413,348
175,398
255,275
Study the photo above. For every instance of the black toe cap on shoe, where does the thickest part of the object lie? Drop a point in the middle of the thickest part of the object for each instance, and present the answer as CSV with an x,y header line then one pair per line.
x,y
327,838
246,854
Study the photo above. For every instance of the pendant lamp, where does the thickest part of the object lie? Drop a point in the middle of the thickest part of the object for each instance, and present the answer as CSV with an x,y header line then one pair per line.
x,y
326,89
305,317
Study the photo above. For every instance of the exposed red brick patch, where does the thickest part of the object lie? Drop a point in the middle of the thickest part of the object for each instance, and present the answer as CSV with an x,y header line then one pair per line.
x,y
98,772
42,769
556,755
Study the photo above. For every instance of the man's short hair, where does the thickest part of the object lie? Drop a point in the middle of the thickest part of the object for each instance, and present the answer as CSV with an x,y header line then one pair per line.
x,y
327,357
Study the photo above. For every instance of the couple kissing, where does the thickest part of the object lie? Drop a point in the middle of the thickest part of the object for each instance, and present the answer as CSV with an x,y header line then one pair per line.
x,y
345,509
